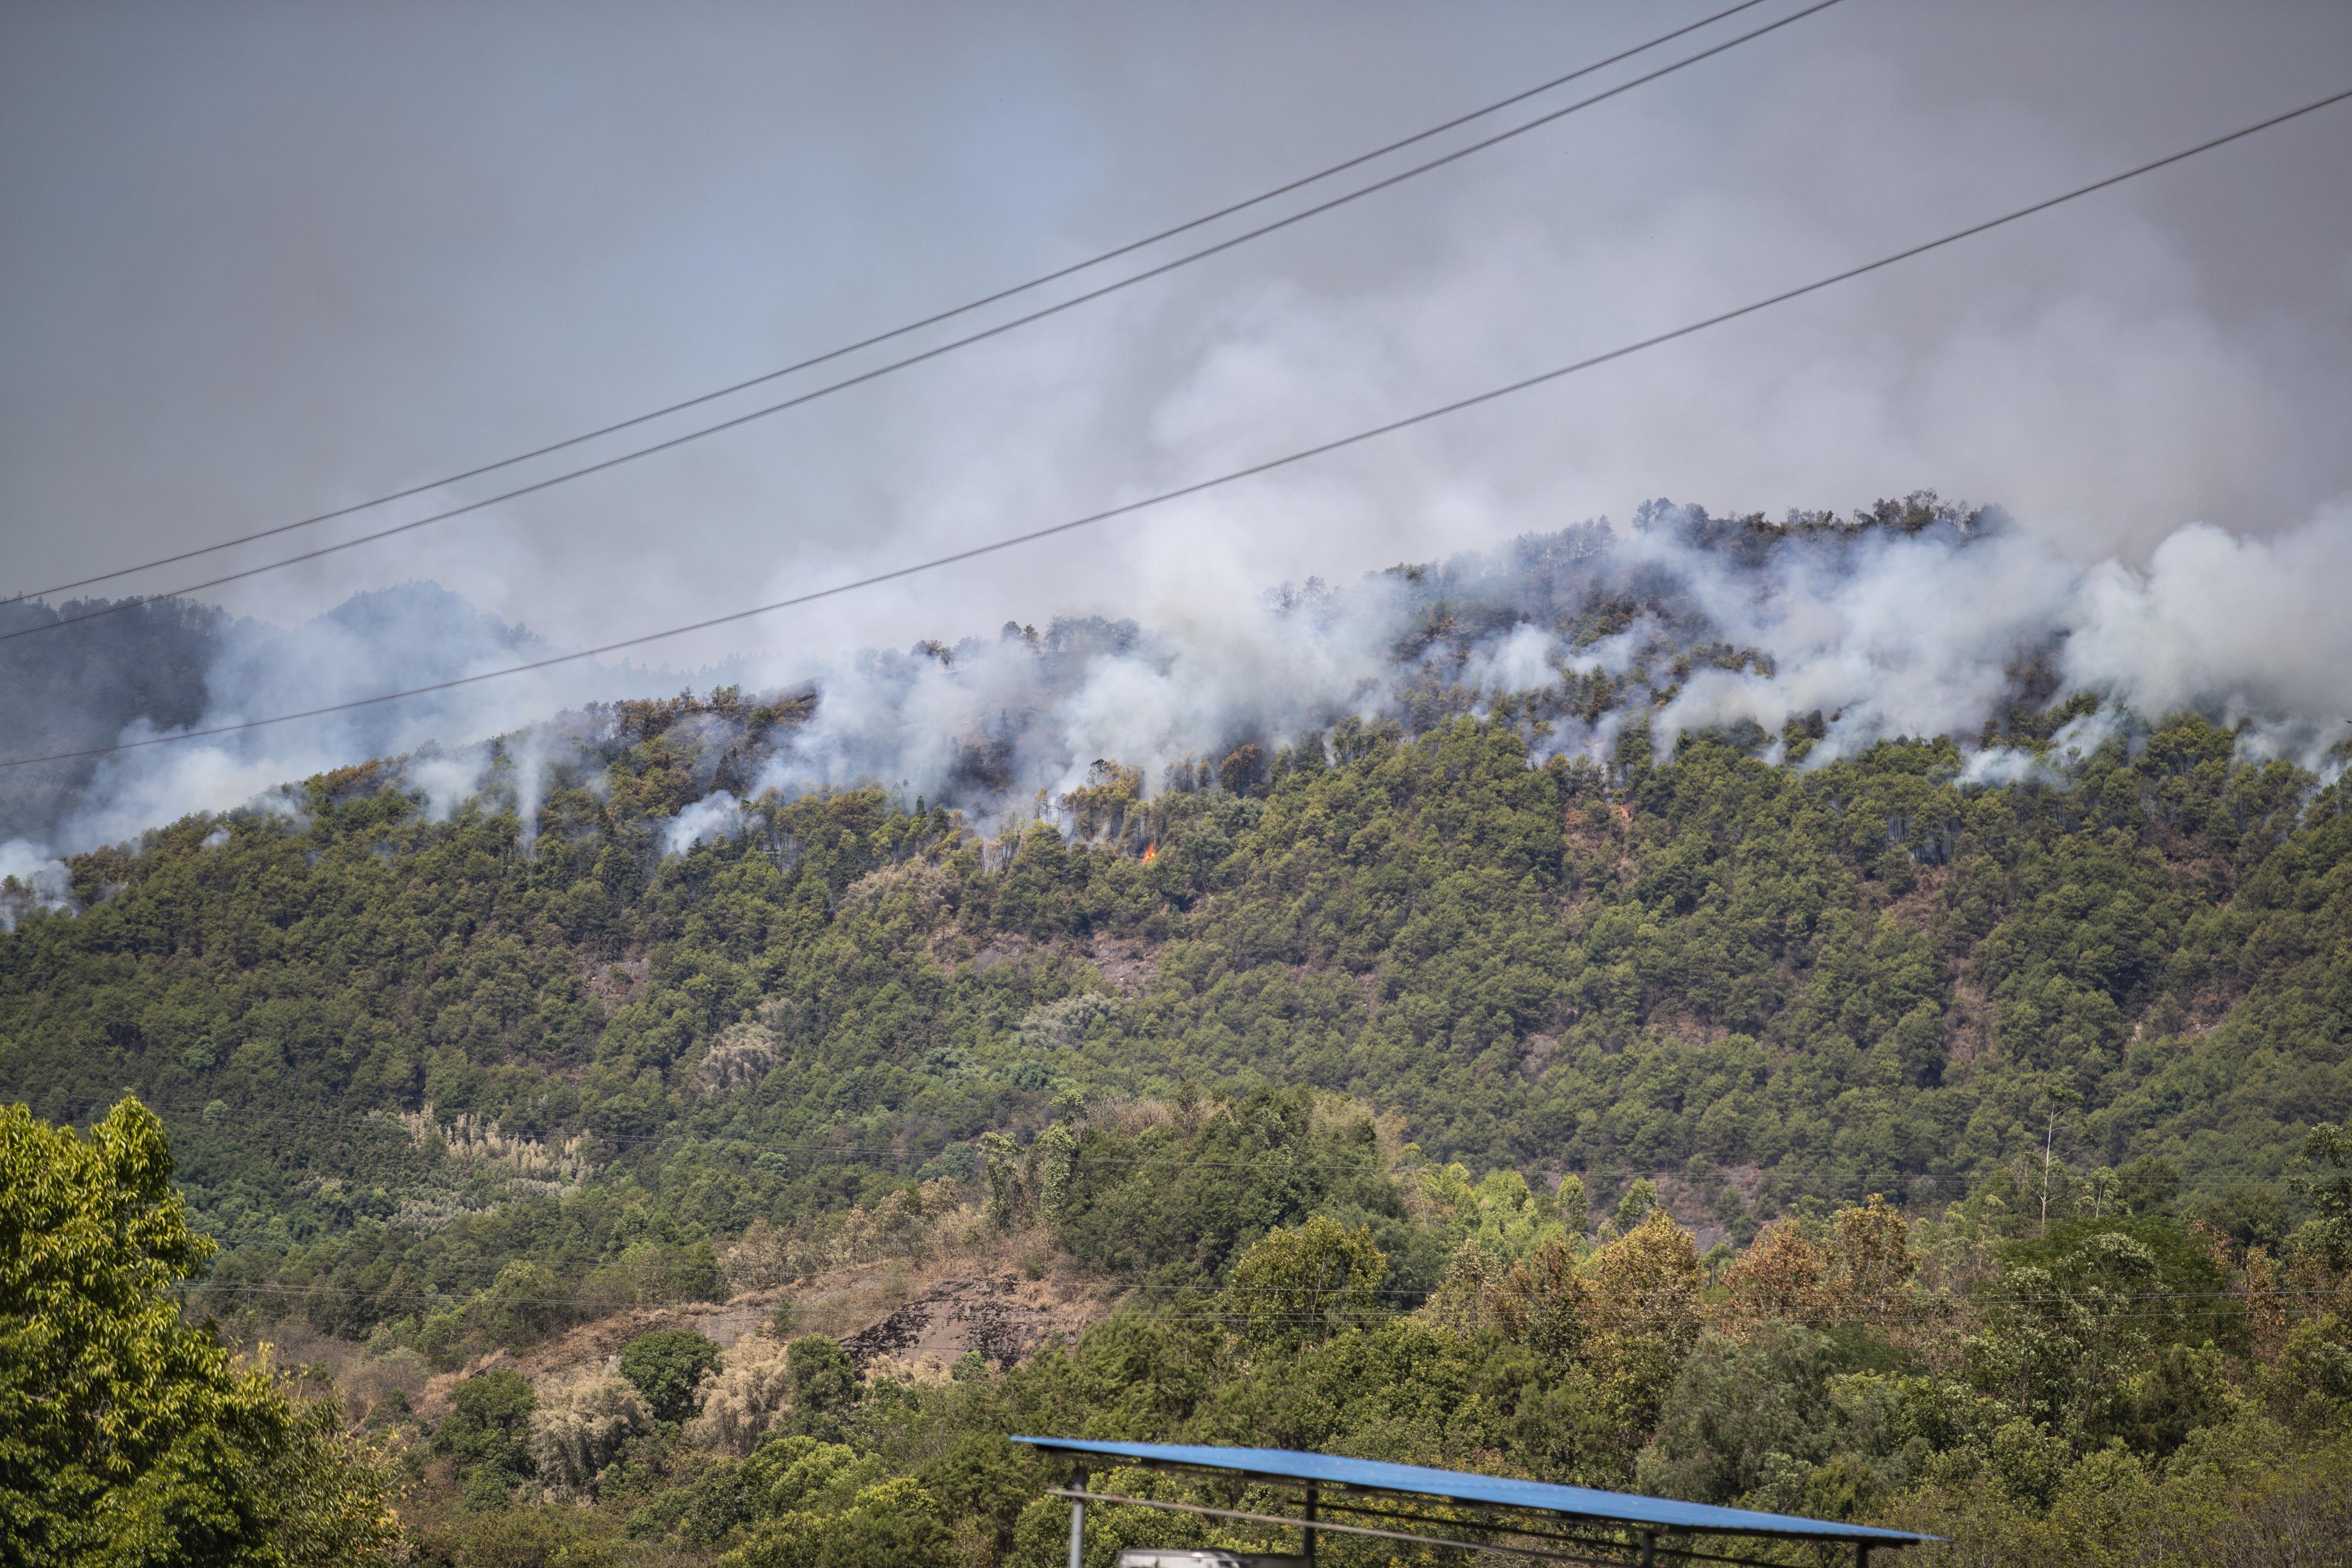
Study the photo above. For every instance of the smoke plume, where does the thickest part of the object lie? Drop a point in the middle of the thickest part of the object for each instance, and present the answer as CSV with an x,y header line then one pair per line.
x,y
1916,618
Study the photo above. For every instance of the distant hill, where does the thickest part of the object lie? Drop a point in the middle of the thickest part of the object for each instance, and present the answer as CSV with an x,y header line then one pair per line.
x,y
82,686
171,663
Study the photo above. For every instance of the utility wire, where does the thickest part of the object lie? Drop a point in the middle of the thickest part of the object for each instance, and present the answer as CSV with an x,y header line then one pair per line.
x,y
932,320
1898,1312
387,1120
894,366
1231,476
809,1154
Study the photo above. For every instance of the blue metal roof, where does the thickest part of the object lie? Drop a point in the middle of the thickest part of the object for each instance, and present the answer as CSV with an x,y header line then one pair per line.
x,y
1466,1486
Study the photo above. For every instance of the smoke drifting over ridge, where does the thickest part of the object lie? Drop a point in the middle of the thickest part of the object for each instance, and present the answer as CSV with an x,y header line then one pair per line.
x,y
1916,626
314,255
1924,619
171,667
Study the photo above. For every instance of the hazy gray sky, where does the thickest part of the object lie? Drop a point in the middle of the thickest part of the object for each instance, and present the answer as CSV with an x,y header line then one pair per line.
x,y
262,259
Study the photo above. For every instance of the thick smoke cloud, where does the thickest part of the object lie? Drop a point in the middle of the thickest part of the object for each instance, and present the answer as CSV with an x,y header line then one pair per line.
x,y
308,256
1920,636
1883,633
89,685
1038,708
2248,630
1908,625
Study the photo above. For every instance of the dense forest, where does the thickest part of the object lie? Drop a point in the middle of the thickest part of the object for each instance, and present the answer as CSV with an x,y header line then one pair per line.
x,y
1755,983
1841,1136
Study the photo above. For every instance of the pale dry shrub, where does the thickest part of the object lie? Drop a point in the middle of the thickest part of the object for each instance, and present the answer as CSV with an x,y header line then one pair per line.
x,y
1064,1023
762,1257
473,1142
915,1372
581,1424
742,1396
903,1225
928,887
373,1380
737,1059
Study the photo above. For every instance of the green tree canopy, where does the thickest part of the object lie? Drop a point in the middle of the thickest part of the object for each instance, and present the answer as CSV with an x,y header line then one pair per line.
x,y
1300,1286
668,1368
127,1434
490,1422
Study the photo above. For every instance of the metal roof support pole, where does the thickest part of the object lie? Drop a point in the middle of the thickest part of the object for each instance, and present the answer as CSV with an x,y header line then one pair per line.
x,y
1078,1524
1649,1550
1862,1555
1310,1532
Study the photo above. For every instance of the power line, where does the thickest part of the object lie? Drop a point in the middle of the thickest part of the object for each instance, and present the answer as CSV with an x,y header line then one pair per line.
x,y
1231,476
387,1120
932,320
2148,1302
894,366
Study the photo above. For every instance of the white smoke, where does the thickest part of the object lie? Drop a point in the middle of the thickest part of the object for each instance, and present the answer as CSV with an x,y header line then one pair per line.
x,y
1916,635
1041,715
447,782
30,878
2253,632
411,636
1522,661
707,820
1883,632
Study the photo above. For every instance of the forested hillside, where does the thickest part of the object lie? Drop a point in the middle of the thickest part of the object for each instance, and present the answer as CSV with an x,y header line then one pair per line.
x,y
1760,982
1983,1111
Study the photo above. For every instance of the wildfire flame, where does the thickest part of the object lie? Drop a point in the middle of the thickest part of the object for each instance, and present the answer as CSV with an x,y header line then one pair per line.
x,y
1151,851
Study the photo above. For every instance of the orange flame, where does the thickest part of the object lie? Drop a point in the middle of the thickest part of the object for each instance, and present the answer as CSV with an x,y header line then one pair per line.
x,y
1624,812
1151,851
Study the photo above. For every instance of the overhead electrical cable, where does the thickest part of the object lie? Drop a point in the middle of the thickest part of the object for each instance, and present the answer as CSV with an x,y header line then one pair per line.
x,y
878,372
705,1141
932,320
1199,486
2227,1302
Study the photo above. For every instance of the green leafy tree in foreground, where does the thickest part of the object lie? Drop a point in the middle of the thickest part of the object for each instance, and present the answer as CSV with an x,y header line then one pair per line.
x,y
1301,1286
2325,1177
489,1431
127,1435
667,1367
823,1381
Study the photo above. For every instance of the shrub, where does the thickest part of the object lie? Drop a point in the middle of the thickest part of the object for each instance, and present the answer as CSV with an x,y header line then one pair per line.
x,y
741,1399
667,1367
490,1422
579,1428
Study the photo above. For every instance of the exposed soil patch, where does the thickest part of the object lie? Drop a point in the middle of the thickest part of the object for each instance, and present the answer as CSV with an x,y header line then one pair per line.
x,y
1536,1053
617,983
1687,1029
722,1323
1001,951
1969,1032
1692,1209
1919,907
932,1312
2207,1007
1124,962
1001,1314
843,1301
1601,853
